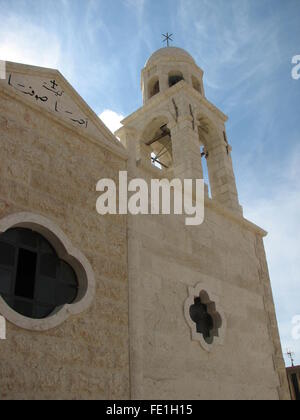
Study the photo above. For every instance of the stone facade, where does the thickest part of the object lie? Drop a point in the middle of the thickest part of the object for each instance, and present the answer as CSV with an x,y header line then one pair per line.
x,y
223,257
50,168
135,339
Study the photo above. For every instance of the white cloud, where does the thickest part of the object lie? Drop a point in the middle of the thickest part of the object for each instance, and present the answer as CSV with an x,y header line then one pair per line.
x,y
28,44
111,119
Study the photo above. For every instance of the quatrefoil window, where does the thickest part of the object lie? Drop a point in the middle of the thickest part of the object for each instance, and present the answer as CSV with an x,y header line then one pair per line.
x,y
205,318
43,279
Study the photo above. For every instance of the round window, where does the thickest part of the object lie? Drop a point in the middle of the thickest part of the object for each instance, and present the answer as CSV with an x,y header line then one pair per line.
x,y
34,281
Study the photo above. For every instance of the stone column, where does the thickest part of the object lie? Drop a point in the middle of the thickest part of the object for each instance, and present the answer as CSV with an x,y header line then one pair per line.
x,y
163,81
186,149
221,175
130,139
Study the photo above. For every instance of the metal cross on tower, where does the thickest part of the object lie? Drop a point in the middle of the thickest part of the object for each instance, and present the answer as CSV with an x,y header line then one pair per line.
x,y
168,38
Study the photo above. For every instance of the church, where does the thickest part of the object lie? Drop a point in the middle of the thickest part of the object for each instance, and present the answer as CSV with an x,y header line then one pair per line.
x,y
120,307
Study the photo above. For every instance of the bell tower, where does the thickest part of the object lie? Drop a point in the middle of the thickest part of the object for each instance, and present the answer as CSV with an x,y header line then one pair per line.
x,y
202,322
177,127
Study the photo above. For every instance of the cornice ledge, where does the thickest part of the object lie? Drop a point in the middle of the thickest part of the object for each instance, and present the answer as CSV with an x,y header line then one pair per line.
x,y
162,96
240,220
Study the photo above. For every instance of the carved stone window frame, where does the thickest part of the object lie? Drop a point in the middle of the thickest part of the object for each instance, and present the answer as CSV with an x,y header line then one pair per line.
x,y
195,292
67,252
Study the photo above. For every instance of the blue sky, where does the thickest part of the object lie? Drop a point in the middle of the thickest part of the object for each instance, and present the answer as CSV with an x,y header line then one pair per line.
x,y
245,48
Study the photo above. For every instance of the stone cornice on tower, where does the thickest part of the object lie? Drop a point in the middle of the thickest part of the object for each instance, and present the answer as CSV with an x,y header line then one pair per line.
x,y
167,95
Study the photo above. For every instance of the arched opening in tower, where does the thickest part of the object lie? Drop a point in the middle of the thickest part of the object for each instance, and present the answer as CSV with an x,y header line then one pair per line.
x,y
157,137
175,77
204,131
